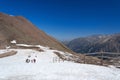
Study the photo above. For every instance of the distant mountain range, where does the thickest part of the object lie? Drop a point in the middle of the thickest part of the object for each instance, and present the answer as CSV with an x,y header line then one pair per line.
x,y
95,43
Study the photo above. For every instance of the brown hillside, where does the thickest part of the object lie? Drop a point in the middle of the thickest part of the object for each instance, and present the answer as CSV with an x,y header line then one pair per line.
x,y
20,29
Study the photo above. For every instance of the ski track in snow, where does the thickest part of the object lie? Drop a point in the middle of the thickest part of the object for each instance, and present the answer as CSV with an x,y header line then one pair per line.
x,y
15,68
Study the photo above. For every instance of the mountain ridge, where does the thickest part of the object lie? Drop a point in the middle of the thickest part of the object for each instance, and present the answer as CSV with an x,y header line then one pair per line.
x,y
95,43
23,31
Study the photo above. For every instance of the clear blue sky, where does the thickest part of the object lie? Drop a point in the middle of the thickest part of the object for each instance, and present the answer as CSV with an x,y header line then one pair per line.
x,y
68,19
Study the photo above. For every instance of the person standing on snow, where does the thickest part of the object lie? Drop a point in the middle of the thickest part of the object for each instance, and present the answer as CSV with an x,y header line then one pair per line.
x,y
28,60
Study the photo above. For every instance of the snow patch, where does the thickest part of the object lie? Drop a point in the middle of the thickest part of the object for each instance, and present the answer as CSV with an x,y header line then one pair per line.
x,y
13,42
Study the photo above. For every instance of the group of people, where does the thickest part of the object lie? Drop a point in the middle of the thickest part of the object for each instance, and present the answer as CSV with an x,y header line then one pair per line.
x,y
31,60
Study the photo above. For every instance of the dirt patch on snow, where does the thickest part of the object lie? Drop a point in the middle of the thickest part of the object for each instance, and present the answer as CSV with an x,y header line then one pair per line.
x,y
8,54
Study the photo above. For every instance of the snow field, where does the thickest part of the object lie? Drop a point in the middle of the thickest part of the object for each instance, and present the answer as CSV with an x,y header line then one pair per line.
x,y
15,68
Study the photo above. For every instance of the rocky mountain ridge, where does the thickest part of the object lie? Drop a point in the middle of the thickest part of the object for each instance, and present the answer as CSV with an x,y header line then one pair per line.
x,y
95,43
24,32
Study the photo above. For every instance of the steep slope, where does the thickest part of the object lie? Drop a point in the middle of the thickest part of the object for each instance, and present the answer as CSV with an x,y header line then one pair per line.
x,y
91,44
20,29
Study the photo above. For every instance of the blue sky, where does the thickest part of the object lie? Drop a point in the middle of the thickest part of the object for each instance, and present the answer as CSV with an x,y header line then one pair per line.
x,y
68,19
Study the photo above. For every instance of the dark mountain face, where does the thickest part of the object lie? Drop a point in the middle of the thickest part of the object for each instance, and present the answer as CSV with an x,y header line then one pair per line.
x,y
20,29
106,43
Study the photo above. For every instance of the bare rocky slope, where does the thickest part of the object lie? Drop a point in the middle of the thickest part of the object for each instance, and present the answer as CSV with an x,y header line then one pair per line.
x,y
20,29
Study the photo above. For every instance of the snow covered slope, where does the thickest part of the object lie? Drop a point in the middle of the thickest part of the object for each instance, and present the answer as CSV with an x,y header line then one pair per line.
x,y
15,68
